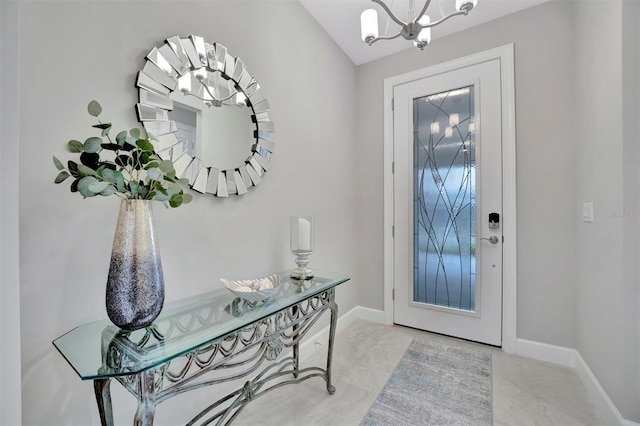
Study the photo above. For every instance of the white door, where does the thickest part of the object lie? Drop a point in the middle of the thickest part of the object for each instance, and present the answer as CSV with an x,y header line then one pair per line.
x,y
447,149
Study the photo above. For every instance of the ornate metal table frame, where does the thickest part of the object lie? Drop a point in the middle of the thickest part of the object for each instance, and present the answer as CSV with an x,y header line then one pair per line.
x,y
254,349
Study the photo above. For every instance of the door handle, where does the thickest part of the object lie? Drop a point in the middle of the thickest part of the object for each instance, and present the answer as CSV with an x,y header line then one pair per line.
x,y
492,239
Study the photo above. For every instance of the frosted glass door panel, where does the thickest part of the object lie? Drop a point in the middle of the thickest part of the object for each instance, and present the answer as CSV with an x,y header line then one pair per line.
x,y
444,199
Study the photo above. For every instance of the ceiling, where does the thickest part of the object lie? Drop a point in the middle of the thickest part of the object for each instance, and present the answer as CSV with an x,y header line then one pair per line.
x,y
341,19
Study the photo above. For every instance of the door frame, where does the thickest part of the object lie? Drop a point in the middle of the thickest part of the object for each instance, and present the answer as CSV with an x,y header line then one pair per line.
x,y
509,266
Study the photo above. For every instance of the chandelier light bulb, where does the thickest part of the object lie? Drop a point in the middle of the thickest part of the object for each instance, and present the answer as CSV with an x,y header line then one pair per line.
x,y
425,33
369,25
200,73
184,83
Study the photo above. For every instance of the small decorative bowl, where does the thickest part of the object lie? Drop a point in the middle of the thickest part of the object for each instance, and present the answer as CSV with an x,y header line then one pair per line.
x,y
254,290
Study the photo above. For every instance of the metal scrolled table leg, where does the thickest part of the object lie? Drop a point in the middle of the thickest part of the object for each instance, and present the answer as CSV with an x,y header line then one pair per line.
x,y
296,345
146,399
103,397
332,333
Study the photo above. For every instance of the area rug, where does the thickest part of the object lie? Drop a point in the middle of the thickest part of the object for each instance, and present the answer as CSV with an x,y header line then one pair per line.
x,y
435,383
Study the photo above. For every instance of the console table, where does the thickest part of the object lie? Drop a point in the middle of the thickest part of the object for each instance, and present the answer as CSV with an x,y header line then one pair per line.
x,y
206,340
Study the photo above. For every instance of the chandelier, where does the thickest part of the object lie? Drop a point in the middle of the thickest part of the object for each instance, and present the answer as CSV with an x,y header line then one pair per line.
x,y
417,28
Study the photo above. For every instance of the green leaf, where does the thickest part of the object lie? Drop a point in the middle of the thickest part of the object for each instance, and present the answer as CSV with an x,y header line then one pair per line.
x,y
90,160
154,173
58,163
110,146
84,186
128,147
144,145
73,168
102,126
120,182
175,200
62,176
75,146
93,145
166,166
108,164
109,190
159,188
121,137
174,188
144,158
98,187
74,185
86,171
159,196
143,191
110,175
133,187
114,177
186,198
94,108
135,133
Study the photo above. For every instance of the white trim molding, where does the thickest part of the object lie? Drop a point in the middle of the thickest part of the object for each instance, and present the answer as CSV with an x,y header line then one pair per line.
x,y
571,358
509,265
547,353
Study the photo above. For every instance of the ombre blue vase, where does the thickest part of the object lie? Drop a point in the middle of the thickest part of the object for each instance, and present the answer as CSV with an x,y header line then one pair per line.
x,y
135,284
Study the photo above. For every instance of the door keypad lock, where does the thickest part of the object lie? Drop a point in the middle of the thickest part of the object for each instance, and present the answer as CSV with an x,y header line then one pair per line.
x,y
494,220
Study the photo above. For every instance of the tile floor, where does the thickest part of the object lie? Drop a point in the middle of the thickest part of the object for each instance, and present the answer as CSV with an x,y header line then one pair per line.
x,y
525,391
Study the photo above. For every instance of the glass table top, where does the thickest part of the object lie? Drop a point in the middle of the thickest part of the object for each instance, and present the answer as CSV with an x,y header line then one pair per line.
x,y
101,350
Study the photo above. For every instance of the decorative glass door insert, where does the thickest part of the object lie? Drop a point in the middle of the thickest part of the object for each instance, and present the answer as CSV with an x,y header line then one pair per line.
x,y
444,219
447,187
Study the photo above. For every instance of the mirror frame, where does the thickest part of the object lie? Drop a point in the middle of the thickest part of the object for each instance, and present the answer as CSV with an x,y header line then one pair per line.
x,y
159,78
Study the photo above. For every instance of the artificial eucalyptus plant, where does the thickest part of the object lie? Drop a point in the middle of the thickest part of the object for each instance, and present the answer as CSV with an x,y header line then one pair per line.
x,y
128,167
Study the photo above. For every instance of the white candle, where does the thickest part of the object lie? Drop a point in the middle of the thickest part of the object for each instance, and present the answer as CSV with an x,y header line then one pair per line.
x,y
302,233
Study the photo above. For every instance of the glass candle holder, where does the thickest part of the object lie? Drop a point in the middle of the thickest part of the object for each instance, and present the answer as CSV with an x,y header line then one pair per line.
x,y
301,245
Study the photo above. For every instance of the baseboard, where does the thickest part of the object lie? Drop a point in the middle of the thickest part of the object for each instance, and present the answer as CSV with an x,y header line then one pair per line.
x,y
545,352
604,406
567,357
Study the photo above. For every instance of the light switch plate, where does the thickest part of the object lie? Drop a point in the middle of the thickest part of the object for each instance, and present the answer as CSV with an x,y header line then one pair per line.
x,y
587,211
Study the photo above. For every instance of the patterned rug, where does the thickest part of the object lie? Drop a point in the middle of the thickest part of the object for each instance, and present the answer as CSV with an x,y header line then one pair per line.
x,y
435,383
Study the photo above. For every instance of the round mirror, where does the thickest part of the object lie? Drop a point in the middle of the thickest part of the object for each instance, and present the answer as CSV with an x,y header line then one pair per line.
x,y
206,113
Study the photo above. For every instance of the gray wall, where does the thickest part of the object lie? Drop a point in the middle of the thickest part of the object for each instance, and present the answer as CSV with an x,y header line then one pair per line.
x,y
10,398
72,52
606,122
577,141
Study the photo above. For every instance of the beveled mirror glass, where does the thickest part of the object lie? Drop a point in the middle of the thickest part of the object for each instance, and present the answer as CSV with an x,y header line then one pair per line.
x,y
207,114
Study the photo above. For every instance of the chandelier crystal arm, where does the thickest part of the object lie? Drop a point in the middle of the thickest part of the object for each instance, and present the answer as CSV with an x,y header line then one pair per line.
x,y
398,34
441,20
389,12
423,11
